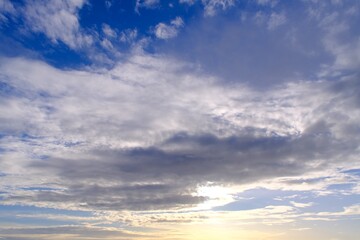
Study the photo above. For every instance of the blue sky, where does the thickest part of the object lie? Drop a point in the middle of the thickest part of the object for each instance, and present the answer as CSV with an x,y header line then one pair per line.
x,y
184,119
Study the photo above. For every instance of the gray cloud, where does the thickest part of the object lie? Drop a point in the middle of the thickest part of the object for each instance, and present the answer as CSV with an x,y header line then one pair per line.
x,y
190,161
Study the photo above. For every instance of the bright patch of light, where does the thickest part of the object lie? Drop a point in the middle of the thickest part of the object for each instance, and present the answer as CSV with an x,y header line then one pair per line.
x,y
216,196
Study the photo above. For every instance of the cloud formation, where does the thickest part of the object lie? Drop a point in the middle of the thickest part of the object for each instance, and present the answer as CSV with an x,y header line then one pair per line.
x,y
6,9
212,6
102,149
58,20
146,4
164,31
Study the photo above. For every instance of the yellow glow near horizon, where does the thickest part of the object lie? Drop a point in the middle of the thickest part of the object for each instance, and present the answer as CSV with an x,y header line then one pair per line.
x,y
227,232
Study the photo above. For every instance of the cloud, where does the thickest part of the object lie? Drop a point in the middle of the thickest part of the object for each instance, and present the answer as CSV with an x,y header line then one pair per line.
x,y
105,43
149,4
276,20
164,31
92,138
211,7
128,35
340,38
108,31
273,20
6,9
301,205
58,20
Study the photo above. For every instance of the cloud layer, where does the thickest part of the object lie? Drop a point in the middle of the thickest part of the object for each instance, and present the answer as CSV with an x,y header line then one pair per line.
x,y
148,133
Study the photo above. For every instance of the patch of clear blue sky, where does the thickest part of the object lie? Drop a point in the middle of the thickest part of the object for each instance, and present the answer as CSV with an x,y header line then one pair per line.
x,y
261,197
17,214
8,218
353,171
39,210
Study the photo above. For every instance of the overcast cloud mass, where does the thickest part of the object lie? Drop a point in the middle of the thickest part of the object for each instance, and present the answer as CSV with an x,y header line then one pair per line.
x,y
189,119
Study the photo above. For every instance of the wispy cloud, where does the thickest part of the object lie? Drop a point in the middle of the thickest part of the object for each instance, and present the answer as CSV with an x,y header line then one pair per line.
x,y
146,4
166,31
6,10
212,6
276,20
58,20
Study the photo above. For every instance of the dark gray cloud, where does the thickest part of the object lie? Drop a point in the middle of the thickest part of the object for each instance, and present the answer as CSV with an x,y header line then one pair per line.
x,y
164,176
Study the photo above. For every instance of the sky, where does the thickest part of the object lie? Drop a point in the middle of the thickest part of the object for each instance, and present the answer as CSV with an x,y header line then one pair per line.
x,y
179,119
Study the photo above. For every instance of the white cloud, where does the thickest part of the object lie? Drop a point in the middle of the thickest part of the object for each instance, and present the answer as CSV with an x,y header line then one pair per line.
x,y
353,210
108,31
146,4
177,22
165,31
276,20
212,6
128,35
347,54
58,20
336,21
301,205
105,43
